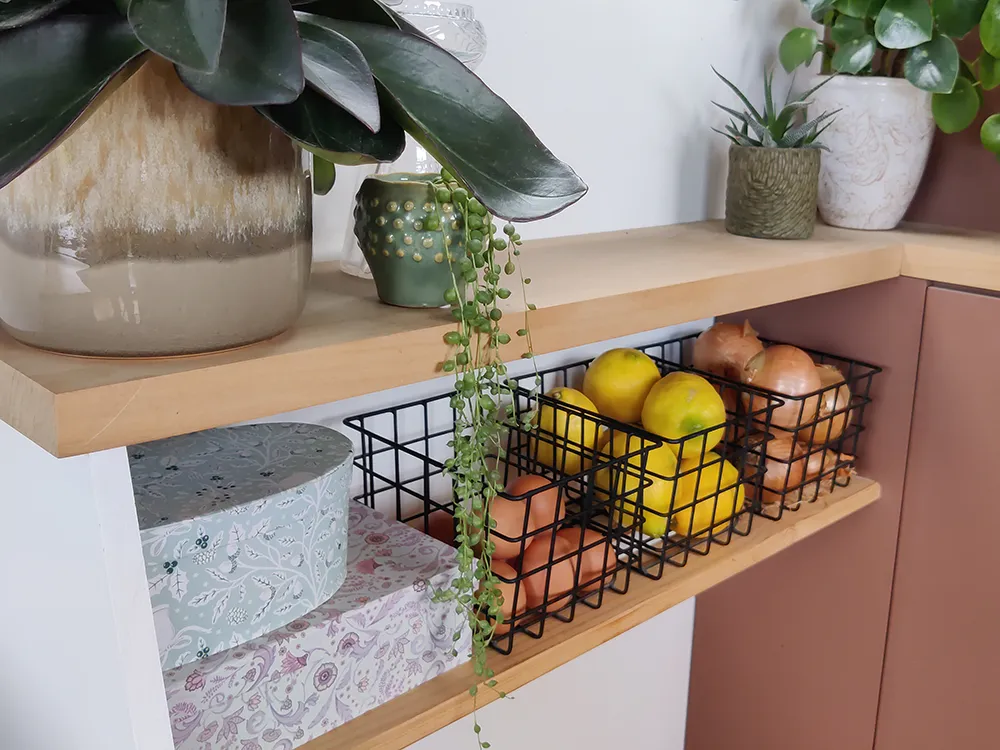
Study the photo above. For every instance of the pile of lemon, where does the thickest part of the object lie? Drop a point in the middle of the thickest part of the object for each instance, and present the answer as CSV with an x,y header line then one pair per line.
x,y
626,385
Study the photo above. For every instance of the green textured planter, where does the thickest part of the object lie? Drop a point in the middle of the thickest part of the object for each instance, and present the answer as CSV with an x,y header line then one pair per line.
x,y
772,192
408,261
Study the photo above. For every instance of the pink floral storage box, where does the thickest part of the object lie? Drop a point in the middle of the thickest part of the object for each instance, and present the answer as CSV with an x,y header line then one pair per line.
x,y
378,637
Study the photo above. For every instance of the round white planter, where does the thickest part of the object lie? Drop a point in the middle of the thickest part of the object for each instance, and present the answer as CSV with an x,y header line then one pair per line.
x,y
878,144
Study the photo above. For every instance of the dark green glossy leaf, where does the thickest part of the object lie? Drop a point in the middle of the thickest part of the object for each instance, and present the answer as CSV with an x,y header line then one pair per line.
x,y
14,13
854,56
902,24
471,130
362,11
854,8
798,47
324,175
956,111
261,59
819,8
933,66
327,129
186,32
338,70
50,72
846,29
989,71
956,18
989,28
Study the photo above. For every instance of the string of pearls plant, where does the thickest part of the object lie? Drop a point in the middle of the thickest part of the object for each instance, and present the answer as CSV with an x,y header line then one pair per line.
x,y
483,409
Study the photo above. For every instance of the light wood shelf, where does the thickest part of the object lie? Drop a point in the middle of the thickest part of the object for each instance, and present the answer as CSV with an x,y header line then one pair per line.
x,y
445,699
587,289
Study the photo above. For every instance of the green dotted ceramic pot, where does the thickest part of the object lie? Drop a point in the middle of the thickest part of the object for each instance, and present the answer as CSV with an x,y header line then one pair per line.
x,y
409,261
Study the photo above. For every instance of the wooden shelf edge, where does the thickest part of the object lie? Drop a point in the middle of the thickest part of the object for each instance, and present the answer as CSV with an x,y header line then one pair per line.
x,y
445,699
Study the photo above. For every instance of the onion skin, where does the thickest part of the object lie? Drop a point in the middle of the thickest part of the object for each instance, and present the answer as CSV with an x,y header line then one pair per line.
x,y
830,426
786,371
725,348
785,469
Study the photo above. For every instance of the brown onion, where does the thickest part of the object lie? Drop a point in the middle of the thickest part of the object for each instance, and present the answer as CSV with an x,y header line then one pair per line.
x,y
787,371
725,348
824,461
830,425
785,469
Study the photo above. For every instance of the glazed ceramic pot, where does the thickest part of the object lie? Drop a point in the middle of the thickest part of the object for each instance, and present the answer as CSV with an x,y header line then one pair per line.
x,y
162,225
409,261
771,192
879,144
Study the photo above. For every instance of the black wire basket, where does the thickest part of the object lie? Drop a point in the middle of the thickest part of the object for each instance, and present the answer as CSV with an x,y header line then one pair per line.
x,y
568,544
814,439
702,496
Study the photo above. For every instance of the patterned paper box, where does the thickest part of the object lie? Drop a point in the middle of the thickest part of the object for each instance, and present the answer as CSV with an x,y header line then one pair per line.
x,y
378,637
243,530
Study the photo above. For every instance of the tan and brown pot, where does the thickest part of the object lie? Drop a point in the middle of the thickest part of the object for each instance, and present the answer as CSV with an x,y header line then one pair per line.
x,y
771,193
163,225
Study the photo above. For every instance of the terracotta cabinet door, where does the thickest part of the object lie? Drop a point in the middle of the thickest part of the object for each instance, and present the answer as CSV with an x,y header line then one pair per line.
x,y
941,680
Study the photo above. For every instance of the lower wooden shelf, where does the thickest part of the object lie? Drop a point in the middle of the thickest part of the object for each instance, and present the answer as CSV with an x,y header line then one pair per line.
x,y
445,699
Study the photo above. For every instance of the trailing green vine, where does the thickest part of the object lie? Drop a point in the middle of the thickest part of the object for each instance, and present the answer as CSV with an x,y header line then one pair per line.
x,y
481,424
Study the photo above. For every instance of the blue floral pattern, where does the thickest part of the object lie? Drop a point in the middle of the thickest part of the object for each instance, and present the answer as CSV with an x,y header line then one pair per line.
x,y
244,529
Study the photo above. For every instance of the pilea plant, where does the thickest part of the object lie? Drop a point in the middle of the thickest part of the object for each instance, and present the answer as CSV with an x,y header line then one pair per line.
x,y
483,415
914,39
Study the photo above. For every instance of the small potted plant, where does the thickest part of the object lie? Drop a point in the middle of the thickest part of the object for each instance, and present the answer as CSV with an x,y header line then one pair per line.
x,y
774,165
902,73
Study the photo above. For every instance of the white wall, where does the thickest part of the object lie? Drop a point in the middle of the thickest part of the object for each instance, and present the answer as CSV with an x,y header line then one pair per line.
x,y
622,90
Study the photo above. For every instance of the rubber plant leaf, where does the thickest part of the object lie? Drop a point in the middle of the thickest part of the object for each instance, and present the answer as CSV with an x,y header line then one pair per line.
x,y
956,111
186,32
50,73
933,66
902,24
465,125
14,13
328,130
956,18
362,11
336,68
989,28
261,58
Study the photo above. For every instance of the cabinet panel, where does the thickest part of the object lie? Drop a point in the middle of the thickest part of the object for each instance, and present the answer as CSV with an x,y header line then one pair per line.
x,y
788,655
941,685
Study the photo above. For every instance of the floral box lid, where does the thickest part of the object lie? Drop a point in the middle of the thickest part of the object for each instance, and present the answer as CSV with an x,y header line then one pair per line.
x,y
243,529
378,637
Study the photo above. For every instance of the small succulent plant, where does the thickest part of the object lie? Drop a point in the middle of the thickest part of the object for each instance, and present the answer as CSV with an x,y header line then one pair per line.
x,y
774,128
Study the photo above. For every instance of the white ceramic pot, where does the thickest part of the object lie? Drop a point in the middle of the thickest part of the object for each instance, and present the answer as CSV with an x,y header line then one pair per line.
x,y
878,144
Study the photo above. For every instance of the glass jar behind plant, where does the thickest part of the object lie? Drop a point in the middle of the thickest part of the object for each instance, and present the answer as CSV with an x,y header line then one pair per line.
x,y
453,26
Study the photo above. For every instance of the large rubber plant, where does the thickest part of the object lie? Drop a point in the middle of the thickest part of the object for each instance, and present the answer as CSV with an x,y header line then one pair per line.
x,y
343,78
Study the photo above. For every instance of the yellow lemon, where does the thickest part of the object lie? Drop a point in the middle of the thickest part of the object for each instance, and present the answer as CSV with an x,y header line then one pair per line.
x,y
682,404
565,440
655,497
717,477
618,382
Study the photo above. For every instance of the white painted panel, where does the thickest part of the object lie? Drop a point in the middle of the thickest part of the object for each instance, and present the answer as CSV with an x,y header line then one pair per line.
x,y
629,692
78,661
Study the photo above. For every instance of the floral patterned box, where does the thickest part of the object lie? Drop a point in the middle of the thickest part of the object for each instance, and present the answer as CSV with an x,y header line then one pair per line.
x,y
380,636
243,530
